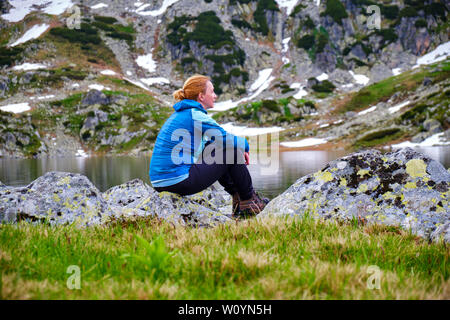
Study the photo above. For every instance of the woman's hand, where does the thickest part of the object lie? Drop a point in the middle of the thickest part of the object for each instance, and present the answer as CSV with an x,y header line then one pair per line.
x,y
247,158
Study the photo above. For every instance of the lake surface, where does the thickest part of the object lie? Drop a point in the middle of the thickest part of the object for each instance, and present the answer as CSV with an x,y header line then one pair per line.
x,y
271,178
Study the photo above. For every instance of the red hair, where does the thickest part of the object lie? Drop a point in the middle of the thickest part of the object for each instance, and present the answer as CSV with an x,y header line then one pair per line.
x,y
192,87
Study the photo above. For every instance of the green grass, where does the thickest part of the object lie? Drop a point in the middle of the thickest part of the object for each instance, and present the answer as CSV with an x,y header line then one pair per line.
x,y
379,137
270,259
405,82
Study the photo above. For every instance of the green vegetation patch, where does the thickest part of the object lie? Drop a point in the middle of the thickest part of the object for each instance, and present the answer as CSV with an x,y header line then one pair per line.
x,y
405,82
336,10
274,258
260,14
56,76
379,137
421,23
324,86
106,20
408,12
208,32
73,121
85,35
23,131
297,9
414,112
88,33
8,56
241,24
388,36
314,43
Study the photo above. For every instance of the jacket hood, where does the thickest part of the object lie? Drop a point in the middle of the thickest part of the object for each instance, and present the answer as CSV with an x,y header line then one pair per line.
x,y
188,104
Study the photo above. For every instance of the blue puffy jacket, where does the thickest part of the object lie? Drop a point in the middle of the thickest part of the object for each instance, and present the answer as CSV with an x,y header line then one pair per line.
x,y
181,141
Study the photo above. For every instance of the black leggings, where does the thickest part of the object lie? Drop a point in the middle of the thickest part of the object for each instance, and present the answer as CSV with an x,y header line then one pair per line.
x,y
234,177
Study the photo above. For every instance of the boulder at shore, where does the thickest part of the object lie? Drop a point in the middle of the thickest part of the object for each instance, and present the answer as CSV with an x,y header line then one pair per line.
x,y
62,197
403,188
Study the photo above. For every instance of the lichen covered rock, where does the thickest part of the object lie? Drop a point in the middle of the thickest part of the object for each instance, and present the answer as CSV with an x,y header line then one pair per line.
x,y
403,188
60,198
56,197
136,198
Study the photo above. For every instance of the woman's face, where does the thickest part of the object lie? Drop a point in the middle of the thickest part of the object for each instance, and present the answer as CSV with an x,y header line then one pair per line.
x,y
208,98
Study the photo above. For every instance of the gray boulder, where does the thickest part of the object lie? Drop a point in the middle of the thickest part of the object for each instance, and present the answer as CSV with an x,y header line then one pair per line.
x,y
403,188
427,81
4,85
95,97
56,197
137,199
94,118
421,136
430,123
68,198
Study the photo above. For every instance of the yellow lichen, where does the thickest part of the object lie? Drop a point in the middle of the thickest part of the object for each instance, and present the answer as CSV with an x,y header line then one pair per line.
x,y
56,198
343,182
362,188
440,209
363,172
416,168
410,185
388,195
324,176
64,180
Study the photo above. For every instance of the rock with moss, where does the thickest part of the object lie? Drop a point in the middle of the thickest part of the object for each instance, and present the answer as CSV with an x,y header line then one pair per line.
x,y
441,232
207,208
69,198
403,188
95,97
56,198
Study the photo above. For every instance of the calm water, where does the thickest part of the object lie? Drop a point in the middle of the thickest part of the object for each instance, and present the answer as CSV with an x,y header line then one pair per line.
x,y
106,172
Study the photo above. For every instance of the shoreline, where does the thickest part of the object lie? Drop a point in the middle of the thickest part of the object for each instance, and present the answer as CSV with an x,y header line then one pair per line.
x,y
329,146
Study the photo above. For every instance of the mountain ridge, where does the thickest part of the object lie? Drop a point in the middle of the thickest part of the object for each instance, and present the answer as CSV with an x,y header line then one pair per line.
x,y
306,50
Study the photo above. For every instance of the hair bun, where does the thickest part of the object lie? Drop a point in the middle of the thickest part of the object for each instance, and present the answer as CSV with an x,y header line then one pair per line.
x,y
179,95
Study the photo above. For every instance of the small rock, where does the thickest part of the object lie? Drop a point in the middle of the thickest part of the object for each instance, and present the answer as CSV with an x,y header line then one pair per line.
x,y
427,81
95,97
429,123
418,138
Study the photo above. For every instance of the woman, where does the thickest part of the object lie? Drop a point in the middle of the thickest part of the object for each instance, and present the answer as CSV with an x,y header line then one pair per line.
x,y
192,151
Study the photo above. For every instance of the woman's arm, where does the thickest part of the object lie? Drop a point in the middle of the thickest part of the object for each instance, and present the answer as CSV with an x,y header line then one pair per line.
x,y
212,129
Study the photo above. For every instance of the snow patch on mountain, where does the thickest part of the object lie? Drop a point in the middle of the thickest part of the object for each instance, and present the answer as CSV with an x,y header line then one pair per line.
x,y
20,8
33,33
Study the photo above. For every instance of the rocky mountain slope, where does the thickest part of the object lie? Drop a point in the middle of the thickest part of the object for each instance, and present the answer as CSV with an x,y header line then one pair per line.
x,y
84,75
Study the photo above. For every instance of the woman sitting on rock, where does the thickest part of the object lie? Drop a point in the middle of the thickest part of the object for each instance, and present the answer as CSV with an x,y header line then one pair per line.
x,y
192,151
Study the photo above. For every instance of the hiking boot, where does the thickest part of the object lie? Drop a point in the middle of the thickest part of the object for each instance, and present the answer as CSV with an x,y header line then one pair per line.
x,y
252,206
235,205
